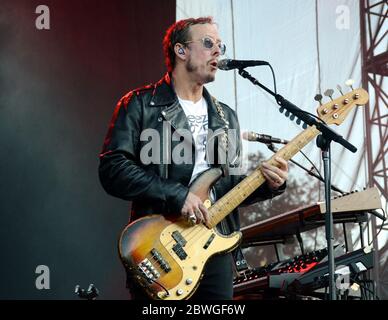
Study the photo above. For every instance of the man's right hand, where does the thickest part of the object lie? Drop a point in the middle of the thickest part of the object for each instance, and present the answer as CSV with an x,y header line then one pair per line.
x,y
193,210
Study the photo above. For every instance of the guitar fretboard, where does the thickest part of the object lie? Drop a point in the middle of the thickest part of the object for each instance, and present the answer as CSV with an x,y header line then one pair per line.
x,y
246,187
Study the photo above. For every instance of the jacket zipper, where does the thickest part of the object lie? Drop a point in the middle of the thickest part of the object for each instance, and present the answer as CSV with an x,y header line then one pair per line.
x,y
166,144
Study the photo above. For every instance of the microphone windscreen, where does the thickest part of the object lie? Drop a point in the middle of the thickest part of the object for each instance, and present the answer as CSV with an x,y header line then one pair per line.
x,y
247,135
223,64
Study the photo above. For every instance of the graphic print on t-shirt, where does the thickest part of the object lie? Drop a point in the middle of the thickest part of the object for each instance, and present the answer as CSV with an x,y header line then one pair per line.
x,y
198,127
197,119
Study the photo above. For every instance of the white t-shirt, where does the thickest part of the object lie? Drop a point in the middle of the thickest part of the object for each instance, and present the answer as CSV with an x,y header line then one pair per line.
x,y
197,119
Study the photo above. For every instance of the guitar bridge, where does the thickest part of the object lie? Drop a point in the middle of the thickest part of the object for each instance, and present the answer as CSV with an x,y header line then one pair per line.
x,y
148,270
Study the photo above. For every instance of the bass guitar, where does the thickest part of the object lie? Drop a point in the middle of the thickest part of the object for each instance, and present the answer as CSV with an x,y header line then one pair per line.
x,y
166,256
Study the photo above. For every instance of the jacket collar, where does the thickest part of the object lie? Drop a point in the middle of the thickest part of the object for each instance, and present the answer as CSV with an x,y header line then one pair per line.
x,y
214,119
164,95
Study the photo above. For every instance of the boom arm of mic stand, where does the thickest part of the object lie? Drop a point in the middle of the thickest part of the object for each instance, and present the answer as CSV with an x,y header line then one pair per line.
x,y
302,115
326,131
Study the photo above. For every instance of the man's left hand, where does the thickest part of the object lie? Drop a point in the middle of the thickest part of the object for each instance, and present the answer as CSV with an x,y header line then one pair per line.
x,y
275,176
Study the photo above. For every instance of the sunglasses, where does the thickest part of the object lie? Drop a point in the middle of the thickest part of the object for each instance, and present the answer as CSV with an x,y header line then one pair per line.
x,y
209,44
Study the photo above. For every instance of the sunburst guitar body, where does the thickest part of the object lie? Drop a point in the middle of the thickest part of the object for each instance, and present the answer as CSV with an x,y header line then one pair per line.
x,y
166,256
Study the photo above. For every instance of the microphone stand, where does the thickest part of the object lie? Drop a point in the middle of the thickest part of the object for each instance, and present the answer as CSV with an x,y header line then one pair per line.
x,y
271,147
327,136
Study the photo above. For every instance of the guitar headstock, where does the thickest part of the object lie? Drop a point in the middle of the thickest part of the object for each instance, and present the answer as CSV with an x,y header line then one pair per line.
x,y
336,110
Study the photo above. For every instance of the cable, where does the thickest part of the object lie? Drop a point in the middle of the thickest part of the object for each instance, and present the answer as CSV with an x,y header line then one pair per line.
x,y
150,279
279,99
317,43
308,159
381,228
274,79
357,281
164,288
234,56
271,147
159,284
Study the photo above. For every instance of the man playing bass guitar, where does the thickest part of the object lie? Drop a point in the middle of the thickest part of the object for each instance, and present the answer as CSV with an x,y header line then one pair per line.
x,y
163,136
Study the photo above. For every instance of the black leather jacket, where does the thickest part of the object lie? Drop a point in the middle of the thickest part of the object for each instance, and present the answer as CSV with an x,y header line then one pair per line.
x,y
162,187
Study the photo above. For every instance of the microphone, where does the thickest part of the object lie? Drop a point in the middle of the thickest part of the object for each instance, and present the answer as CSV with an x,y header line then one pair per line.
x,y
264,138
229,64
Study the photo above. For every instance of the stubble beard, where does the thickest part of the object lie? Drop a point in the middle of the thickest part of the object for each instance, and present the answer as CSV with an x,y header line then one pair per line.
x,y
190,68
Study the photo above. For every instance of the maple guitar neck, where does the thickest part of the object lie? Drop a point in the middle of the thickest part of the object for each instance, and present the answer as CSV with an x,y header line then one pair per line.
x,y
246,187
333,112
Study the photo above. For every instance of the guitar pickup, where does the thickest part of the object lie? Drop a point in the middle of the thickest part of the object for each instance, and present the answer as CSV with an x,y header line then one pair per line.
x,y
177,236
160,260
181,253
165,266
209,241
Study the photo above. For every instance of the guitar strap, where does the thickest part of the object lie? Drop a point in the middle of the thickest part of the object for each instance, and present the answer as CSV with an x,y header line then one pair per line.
x,y
224,138
238,256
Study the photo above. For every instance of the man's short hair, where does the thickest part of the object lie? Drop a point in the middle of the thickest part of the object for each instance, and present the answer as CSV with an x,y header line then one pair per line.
x,y
179,32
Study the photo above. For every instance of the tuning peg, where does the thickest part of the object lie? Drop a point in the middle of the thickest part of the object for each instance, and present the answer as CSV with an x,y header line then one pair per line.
x,y
292,117
318,97
329,93
304,126
281,109
350,83
287,114
340,89
298,121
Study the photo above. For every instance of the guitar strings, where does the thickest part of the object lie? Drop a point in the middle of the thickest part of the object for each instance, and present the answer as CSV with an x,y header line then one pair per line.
x,y
196,232
190,234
